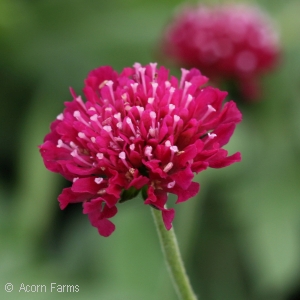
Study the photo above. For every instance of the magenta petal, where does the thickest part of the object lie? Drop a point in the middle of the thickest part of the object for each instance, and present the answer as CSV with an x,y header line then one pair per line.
x,y
86,185
183,178
184,195
222,161
68,196
105,227
168,216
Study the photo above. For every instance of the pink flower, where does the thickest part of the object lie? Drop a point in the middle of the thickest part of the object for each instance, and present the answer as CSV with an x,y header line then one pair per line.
x,y
138,130
235,42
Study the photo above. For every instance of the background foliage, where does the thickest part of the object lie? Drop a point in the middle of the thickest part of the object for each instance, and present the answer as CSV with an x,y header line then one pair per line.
x,y
240,237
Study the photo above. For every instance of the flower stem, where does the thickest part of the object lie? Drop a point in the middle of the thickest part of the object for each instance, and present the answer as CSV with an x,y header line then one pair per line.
x,y
173,258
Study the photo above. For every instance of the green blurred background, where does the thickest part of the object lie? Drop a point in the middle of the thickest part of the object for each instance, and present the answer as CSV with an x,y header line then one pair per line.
x,y
240,237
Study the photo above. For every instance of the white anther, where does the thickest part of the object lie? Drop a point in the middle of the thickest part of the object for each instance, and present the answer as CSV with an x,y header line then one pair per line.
x,y
167,84
150,100
168,143
118,116
152,115
107,128
93,139
174,149
94,118
122,155
120,125
60,117
98,180
176,118
171,107
75,178
132,147
171,184
211,135
148,151
100,155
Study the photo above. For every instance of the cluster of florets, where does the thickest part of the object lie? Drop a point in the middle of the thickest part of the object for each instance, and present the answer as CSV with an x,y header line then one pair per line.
x,y
138,130
226,42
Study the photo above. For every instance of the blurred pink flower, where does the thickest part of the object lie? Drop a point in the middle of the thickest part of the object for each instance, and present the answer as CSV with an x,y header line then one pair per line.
x,y
138,130
225,42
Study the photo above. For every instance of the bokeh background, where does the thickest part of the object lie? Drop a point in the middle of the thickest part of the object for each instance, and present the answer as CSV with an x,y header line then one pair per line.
x,y
240,237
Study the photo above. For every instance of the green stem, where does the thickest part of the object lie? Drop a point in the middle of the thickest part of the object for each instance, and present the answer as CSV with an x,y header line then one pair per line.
x,y
173,258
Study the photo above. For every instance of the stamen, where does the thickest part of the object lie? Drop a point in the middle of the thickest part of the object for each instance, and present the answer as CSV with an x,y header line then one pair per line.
x,y
75,178
77,115
174,149
176,119
188,100
79,100
153,117
168,167
184,72
137,67
94,118
171,107
132,147
141,109
187,84
129,122
154,88
73,145
153,69
61,144
142,71
118,116
122,156
171,90
134,87
74,153
110,83
83,136
210,109
148,152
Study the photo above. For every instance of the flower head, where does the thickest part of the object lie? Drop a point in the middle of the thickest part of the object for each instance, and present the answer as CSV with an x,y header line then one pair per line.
x,y
138,130
235,42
